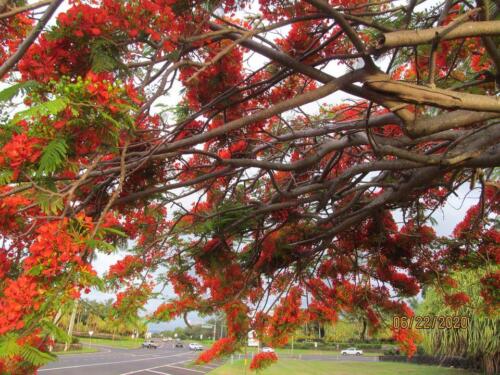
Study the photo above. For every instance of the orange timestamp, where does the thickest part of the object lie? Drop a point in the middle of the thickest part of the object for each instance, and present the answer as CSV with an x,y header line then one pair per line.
x,y
431,322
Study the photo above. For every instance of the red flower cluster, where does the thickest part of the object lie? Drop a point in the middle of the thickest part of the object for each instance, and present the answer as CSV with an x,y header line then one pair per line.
x,y
263,360
12,31
491,290
220,348
407,339
128,266
215,78
55,249
287,316
18,150
456,300
9,207
19,298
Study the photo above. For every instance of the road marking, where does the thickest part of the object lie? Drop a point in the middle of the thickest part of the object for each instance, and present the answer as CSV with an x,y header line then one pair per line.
x,y
143,355
157,372
109,363
185,368
207,366
152,368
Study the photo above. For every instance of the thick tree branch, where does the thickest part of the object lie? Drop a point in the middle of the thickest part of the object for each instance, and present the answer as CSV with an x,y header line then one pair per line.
x,y
406,38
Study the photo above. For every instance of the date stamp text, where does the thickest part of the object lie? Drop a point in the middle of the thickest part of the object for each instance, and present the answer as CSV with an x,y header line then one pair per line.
x,y
430,322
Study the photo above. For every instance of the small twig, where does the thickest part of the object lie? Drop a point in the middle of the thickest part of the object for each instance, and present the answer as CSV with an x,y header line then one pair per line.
x,y
115,194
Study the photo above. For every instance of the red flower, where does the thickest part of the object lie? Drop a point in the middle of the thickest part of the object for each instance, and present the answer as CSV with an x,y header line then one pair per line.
x,y
263,360
220,348
456,300
224,154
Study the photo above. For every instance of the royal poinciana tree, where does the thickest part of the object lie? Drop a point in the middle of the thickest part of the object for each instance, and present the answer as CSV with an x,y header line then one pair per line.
x,y
203,136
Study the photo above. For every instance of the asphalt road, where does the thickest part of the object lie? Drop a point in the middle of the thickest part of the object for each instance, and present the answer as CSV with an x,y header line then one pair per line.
x,y
110,361
165,360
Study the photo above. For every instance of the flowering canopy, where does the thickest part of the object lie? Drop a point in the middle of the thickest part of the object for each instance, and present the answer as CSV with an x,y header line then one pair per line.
x,y
238,191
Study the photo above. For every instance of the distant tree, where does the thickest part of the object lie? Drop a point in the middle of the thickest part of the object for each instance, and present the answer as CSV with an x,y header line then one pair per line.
x,y
480,339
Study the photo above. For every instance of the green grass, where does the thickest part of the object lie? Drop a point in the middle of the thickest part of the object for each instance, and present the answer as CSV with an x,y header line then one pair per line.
x,y
287,367
288,351
311,351
117,343
85,349
319,352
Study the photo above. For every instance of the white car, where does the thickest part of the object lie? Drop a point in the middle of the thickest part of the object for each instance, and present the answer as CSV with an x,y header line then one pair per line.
x,y
195,347
267,349
352,351
150,344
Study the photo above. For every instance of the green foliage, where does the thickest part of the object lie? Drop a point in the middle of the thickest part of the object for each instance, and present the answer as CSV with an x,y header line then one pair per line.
x,y
180,112
14,90
5,176
116,231
56,332
49,203
9,348
35,356
104,246
53,156
52,107
479,339
104,56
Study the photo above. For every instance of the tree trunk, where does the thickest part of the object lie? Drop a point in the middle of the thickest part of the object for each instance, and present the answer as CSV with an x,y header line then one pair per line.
x,y
55,321
71,326
363,331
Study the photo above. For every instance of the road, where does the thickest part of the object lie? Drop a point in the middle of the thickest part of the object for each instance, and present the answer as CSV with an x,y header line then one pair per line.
x,y
165,360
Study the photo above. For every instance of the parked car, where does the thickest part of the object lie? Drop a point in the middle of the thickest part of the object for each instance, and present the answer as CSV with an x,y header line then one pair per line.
x,y
150,344
267,349
352,351
179,344
195,347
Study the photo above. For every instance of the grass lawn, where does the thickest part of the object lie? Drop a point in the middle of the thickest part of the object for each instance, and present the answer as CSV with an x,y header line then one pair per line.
x,y
319,352
288,351
287,367
118,343
85,349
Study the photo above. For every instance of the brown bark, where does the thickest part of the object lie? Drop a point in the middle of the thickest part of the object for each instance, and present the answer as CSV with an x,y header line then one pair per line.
x,y
417,94
405,38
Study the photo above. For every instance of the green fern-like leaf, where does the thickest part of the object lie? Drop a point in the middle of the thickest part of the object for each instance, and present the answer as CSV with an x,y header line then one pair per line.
x,y
9,346
105,56
52,107
59,334
35,356
12,91
53,156
50,203
5,176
